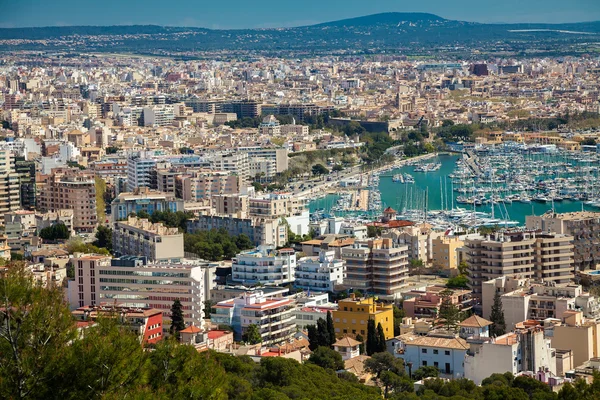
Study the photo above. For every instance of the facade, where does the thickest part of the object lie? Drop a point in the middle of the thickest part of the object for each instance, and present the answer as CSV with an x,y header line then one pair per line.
x,y
525,349
143,199
554,258
264,265
445,252
498,255
583,226
71,191
579,335
140,237
273,316
10,196
269,232
139,168
347,347
445,352
133,282
524,300
377,266
321,273
427,303
203,185
145,322
353,314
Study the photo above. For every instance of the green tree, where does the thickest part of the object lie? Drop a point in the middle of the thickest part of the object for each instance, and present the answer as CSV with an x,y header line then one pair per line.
x,y
55,232
399,314
330,329
395,383
462,268
103,238
36,328
177,321
319,169
428,371
384,361
449,312
372,338
252,334
498,326
208,308
100,185
313,337
361,347
458,282
381,347
327,358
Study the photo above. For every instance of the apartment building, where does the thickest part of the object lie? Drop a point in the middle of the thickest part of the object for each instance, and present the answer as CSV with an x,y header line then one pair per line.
x,y
445,252
273,316
197,186
133,282
145,322
377,266
525,349
160,115
554,258
524,300
583,226
236,205
143,199
10,193
418,239
264,265
70,190
140,237
261,231
353,314
320,273
276,205
427,303
139,171
235,163
489,257
577,334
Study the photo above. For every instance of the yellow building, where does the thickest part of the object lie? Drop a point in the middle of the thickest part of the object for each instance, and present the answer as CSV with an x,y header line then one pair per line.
x,y
580,336
352,316
445,254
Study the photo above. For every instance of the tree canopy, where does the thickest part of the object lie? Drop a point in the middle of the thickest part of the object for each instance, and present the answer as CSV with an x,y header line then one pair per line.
x,y
55,232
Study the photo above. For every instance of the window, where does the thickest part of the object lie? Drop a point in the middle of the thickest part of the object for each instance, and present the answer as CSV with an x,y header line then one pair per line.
x,y
447,352
436,364
435,352
424,351
424,363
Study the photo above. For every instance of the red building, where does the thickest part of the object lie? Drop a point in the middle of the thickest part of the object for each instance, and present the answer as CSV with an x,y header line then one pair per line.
x,y
146,322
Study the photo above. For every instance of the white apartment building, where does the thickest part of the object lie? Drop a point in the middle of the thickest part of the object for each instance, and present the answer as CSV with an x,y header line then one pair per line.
x,y
320,273
159,115
138,171
273,316
264,265
133,282
140,237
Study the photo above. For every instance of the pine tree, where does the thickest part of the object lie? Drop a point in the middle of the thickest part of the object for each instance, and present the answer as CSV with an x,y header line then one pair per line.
x,y
313,339
498,326
322,333
330,329
449,313
372,338
252,334
380,339
177,322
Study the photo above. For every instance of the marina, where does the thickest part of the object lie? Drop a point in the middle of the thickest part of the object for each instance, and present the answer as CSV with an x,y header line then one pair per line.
x,y
486,187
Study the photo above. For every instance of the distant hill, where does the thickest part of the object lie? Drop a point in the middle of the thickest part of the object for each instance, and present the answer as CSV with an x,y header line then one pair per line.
x,y
384,18
405,33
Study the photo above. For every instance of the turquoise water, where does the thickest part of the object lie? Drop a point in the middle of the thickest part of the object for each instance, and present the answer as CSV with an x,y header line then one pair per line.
x,y
400,196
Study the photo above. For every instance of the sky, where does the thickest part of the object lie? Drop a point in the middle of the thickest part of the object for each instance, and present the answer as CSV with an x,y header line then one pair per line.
x,y
232,14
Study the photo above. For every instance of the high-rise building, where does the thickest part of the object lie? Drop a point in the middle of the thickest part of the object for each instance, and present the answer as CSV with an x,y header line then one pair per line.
x,y
133,282
273,316
9,183
139,169
264,265
583,226
320,273
489,257
27,186
377,266
140,237
69,189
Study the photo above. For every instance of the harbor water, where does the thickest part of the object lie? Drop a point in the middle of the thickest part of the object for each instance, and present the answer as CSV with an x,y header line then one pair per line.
x,y
436,187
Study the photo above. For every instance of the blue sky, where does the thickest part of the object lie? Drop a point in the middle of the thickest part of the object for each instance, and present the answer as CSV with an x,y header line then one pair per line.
x,y
279,13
